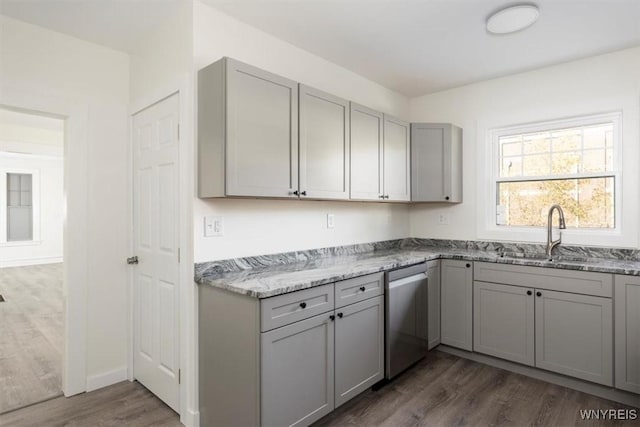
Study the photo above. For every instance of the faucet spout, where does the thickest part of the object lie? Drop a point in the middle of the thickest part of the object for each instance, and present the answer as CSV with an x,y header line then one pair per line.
x,y
561,225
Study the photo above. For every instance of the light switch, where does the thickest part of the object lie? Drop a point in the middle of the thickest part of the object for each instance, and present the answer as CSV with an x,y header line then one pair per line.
x,y
330,221
213,226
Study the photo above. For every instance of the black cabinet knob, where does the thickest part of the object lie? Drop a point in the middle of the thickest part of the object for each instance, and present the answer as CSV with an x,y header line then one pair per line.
x,y
303,305
381,196
296,193
340,315
332,317
468,265
362,288
529,293
446,198
539,294
304,193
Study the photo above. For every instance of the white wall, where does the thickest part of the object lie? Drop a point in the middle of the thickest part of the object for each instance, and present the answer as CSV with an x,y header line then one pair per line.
x,y
598,84
263,226
39,67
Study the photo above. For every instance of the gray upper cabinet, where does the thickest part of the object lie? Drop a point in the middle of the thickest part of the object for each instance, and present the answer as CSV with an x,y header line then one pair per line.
x,y
436,163
359,347
627,333
247,132
456,289
297,384
433,283
503,321
366,153
574,335
396,160
324,145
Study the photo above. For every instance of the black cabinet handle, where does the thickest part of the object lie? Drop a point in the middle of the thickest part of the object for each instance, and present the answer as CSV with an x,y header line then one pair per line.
x,y
381,196
362,288
340,315
468,265
446,198
529,293
304,193
303,304
539,294
386,196
332,317
296,193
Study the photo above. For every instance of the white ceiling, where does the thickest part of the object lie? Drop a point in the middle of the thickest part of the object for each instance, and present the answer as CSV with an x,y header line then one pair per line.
x,y
418,47
118,24
412,46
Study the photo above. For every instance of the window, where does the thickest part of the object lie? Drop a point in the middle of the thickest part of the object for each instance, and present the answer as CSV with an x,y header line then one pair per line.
x,y
19,207
571,163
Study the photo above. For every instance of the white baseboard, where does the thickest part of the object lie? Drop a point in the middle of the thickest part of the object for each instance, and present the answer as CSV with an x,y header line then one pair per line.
x,y
191,418
105,379
30,261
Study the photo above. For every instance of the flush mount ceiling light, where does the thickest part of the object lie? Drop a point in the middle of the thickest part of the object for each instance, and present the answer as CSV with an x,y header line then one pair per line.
x,y
512,19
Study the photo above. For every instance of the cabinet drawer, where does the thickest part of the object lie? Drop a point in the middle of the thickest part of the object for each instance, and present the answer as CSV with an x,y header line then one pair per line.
x,y
288,308
359,289
554,279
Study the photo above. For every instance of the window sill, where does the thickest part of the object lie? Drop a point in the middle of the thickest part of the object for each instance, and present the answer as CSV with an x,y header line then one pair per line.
x,y
20,243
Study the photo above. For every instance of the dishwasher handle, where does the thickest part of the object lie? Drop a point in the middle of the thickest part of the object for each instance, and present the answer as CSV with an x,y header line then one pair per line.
x,y
407,280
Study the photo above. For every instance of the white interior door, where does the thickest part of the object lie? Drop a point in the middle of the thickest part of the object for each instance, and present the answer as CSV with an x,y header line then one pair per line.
x,y
156,232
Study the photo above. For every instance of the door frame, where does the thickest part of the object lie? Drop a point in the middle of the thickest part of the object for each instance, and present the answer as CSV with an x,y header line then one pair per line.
x,y
75,245
184,88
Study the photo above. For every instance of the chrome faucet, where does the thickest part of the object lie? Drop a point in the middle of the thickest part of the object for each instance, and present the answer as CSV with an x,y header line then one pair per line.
x,y
561,225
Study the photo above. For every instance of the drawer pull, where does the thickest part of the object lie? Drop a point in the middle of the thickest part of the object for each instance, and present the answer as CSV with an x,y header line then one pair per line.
x,y
362,288
529,293
468,265
303,305
539,294
340,315
332,317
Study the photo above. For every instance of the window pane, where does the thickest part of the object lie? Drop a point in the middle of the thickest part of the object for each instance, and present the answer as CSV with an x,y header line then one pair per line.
x,y
596,136
511,166
595,161
536,143
565,163
587,203
511,148
566,140
535,165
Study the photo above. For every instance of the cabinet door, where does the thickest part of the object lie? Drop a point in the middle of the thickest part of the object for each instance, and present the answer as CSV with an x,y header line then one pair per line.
x,y
456,288
297,372
359,358
324,145
396,160
262,133
627,333
574,335
503,321
433,273
366,153
436,163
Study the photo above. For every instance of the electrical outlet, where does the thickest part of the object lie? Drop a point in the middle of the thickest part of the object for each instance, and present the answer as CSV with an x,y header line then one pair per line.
x,y
331,221
443,219
213,226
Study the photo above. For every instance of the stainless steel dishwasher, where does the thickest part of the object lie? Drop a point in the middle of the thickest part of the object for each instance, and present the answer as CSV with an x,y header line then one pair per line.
x,y
406,320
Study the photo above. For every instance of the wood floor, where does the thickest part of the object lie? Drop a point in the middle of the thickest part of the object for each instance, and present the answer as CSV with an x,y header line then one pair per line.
x,y
31,335
124,404
442,390
445,390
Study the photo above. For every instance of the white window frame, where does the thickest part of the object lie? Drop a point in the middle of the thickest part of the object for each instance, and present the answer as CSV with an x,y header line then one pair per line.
x,y
35,195
491,230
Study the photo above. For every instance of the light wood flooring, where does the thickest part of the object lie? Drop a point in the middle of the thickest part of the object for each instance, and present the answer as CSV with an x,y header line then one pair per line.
x,y
124,404
31,335
442,390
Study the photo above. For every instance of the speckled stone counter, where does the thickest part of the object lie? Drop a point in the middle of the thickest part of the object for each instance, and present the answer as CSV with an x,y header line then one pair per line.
x,y
271,275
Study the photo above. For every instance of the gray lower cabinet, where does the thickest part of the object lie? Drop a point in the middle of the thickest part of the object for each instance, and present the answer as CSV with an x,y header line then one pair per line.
x,y
396,157
456,289
574,335
436,163
359,348
297,372
247,132
504,323
433,284
324,145
627,335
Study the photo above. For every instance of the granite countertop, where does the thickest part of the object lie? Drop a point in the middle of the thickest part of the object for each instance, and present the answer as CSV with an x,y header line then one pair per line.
x,y
270,280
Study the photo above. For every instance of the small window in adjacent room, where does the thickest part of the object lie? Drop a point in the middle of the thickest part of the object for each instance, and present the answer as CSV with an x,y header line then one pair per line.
x,y
19,207
570,163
